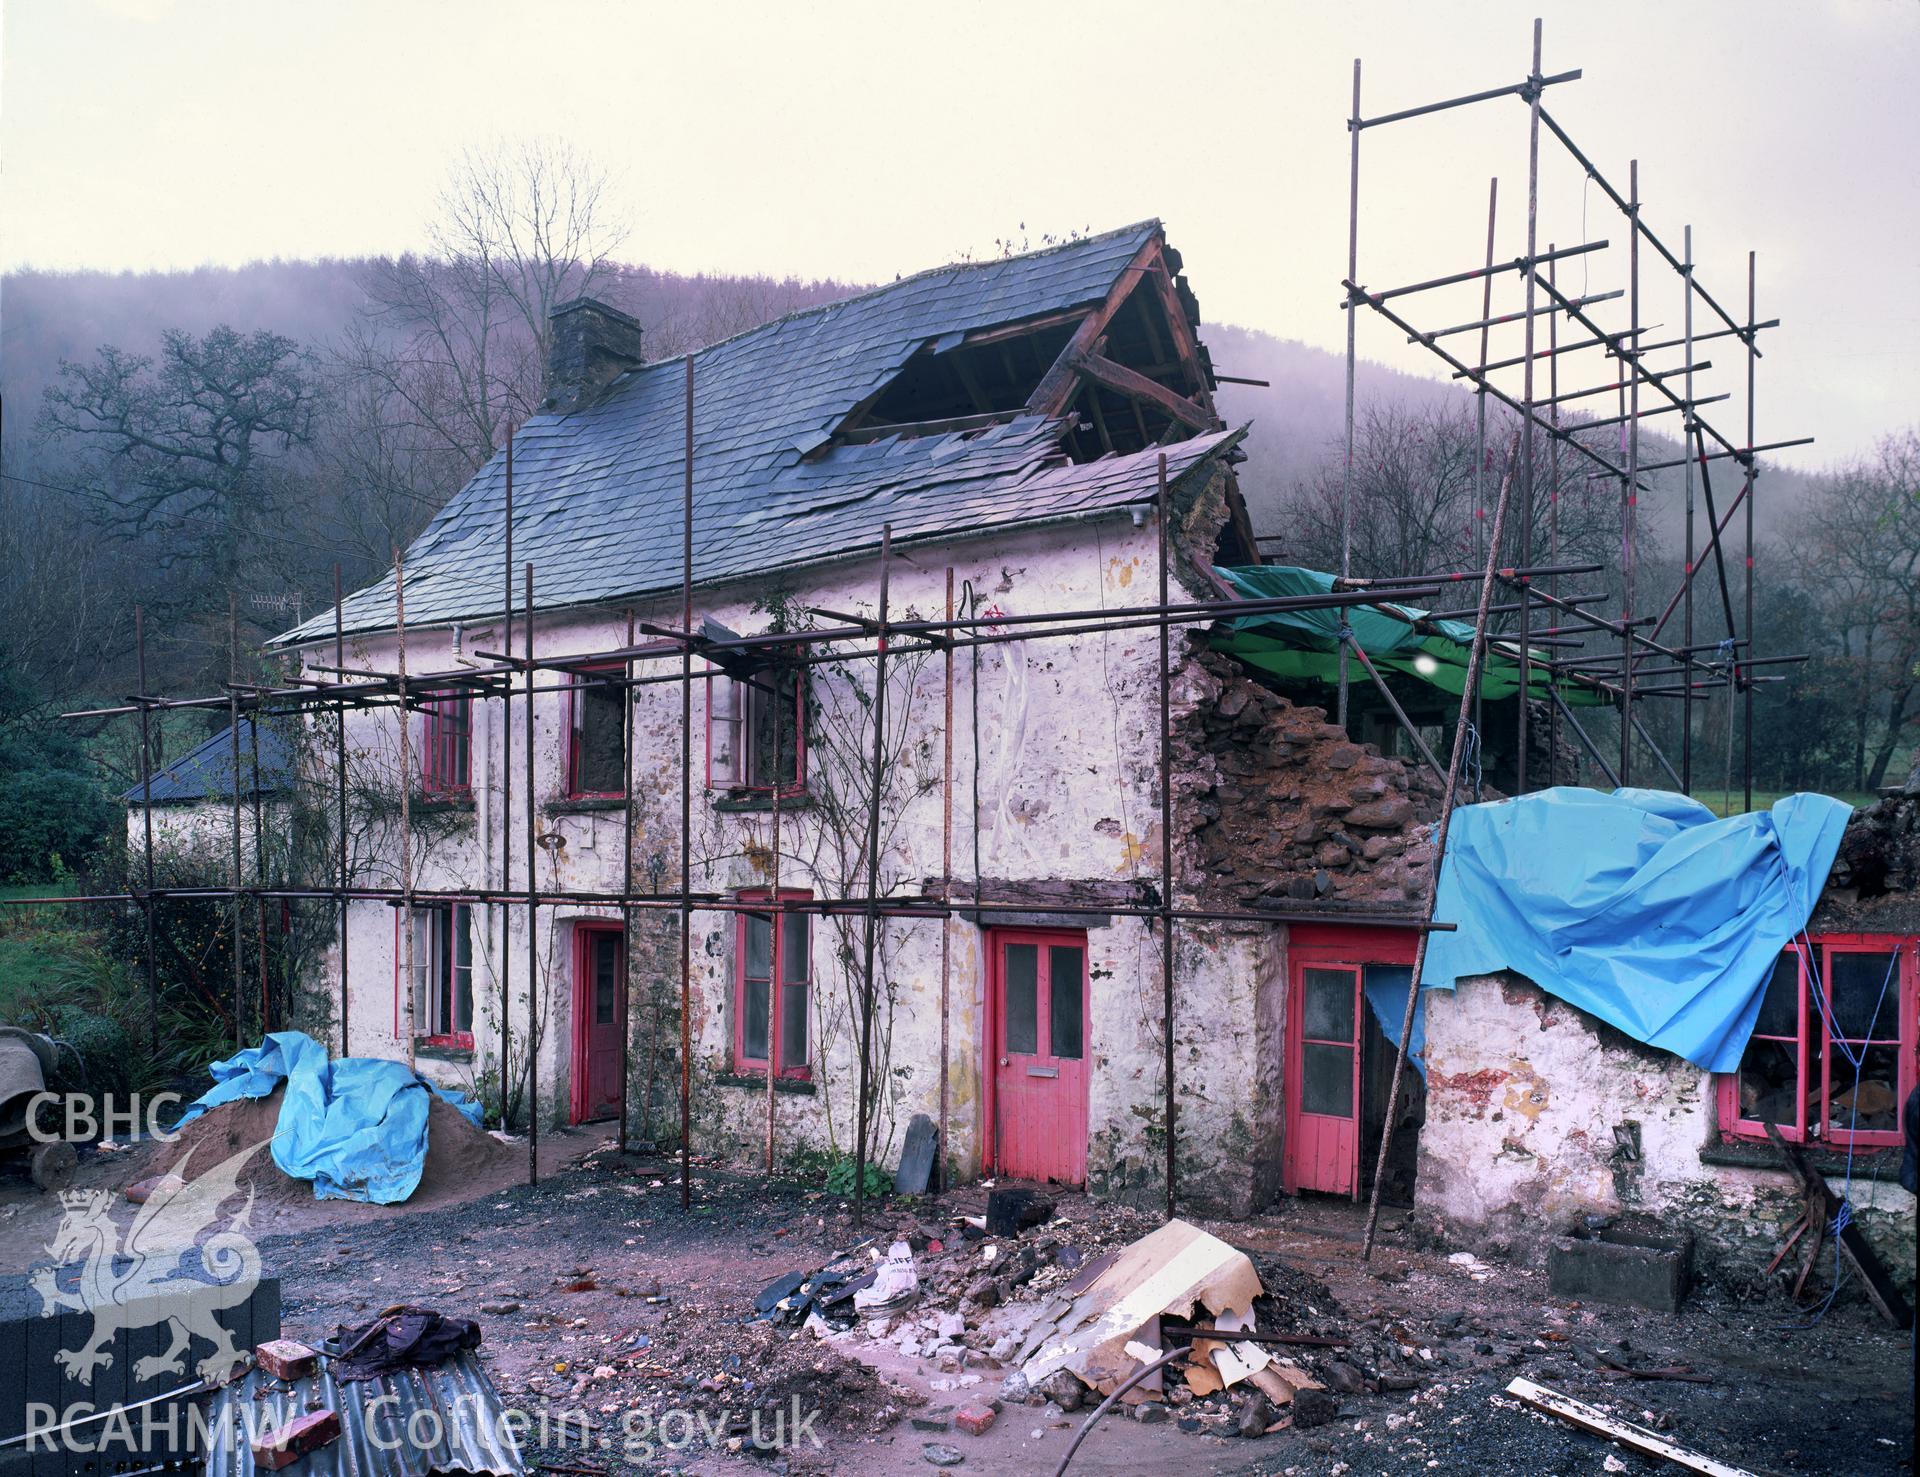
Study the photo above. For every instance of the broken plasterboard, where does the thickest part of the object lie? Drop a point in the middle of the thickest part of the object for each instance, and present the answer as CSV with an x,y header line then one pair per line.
x,y
1170,1271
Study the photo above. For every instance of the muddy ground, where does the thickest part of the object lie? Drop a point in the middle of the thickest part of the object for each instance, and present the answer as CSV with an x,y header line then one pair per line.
x,y
605,1307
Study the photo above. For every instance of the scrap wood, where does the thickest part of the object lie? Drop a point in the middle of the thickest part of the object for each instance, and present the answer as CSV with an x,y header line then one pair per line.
x,y
1233,1361
1823,1208
1590,1418
1269,1383
1617,1370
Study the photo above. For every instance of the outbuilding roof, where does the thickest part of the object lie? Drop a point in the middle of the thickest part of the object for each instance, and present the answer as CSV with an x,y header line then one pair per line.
x,y
597,494
206,772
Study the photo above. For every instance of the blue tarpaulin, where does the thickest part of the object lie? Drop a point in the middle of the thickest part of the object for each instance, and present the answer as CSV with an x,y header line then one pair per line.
x,y
1386,986
1641,907
356,1127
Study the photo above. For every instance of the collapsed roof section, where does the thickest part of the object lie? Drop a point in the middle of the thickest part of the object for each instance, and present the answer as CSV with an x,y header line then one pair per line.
x,y
983,395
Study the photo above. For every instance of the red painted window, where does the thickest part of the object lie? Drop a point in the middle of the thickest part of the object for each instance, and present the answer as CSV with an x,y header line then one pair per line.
x,y
446,749
757,732
596,734
1831,1058
442,974
773,988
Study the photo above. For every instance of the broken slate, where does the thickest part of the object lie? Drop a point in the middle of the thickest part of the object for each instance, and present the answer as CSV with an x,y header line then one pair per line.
x,y
916,1157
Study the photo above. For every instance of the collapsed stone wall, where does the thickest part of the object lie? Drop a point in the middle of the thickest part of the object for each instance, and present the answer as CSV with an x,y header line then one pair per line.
x,y
1284,807
1874,886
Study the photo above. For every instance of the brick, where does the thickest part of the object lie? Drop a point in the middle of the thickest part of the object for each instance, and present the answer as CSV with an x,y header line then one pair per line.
x,y
285,1445
286,1359
975,1420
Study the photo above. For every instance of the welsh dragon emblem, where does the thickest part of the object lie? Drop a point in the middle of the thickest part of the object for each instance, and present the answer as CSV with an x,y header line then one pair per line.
x,y
142,1281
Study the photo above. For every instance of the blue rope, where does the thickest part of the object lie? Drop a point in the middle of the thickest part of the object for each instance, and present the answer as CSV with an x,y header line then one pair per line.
x,y
1843,1217
1470,759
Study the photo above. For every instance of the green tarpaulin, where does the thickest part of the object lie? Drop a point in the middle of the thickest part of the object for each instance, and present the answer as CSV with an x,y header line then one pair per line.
x,y
1304,645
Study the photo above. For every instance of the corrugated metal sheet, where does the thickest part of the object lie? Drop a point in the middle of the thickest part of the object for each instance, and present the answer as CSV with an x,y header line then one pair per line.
x,y
410,1424
597,494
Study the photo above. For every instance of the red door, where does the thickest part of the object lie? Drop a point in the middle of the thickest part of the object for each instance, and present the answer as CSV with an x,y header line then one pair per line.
x,y
1037,1040
599,1020
1323,1080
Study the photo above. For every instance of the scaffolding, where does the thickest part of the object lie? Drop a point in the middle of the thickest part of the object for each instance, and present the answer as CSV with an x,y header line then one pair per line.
x,y
1627,675
655,654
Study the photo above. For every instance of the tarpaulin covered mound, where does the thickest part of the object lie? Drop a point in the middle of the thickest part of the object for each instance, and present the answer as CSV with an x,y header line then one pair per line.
x,y
1641,907
358,1128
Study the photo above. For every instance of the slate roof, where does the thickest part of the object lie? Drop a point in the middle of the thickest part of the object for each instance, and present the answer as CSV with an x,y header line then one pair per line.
x,y
206,772
597,494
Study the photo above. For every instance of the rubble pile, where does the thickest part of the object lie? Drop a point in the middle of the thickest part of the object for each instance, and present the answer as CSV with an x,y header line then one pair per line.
x,y
690,1351
1284,806
1058,1313
1879,854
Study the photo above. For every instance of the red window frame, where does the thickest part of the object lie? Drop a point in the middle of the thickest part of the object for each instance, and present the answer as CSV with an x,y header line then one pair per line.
x,y
451,1038
777,984
581,681
742,782
446,748
1814,1043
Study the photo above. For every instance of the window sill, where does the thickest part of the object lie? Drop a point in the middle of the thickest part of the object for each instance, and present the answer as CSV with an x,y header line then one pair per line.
x,y
799,1086
585,804
442,1051
748,802
1868,1164
451,804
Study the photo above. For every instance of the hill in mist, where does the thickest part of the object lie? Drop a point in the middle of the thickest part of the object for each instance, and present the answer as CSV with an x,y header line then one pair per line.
x,y
1297,419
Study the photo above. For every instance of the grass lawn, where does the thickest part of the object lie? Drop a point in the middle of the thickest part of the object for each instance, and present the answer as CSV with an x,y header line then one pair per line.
x,y
1762,799
38,889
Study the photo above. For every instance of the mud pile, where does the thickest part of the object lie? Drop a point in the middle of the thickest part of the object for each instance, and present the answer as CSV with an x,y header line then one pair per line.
x,y
461,1159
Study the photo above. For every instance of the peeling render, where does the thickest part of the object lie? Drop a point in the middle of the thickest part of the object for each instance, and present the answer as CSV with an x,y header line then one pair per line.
x,y
1524,1096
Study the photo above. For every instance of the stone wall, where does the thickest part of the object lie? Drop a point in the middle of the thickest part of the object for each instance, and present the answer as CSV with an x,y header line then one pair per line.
x,y
1285,808
1539,1115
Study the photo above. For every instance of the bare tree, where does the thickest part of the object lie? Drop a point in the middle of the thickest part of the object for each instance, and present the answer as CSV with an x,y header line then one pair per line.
x,y
1866,527
194,449
1414,505
457,337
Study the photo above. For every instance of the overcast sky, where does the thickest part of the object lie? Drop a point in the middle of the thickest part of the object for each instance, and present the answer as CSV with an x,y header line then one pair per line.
x,y
860,141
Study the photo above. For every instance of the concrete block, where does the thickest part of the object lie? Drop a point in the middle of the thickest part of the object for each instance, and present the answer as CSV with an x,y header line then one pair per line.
x,y
1638,1267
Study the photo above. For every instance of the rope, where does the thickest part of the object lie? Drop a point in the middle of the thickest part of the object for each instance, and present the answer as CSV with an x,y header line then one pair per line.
x,y
1470,759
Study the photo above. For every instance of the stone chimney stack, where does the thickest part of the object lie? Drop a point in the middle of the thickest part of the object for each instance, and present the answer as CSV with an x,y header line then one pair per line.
x,y
592,345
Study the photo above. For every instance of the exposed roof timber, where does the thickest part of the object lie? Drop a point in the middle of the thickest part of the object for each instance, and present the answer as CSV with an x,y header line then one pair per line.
x,y
1062,379
1185,343
1001,332
929,428
1136,386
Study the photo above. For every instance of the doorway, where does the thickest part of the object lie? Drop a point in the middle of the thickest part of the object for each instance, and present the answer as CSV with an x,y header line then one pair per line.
x,y
599,1020
1037,996
1339,1062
